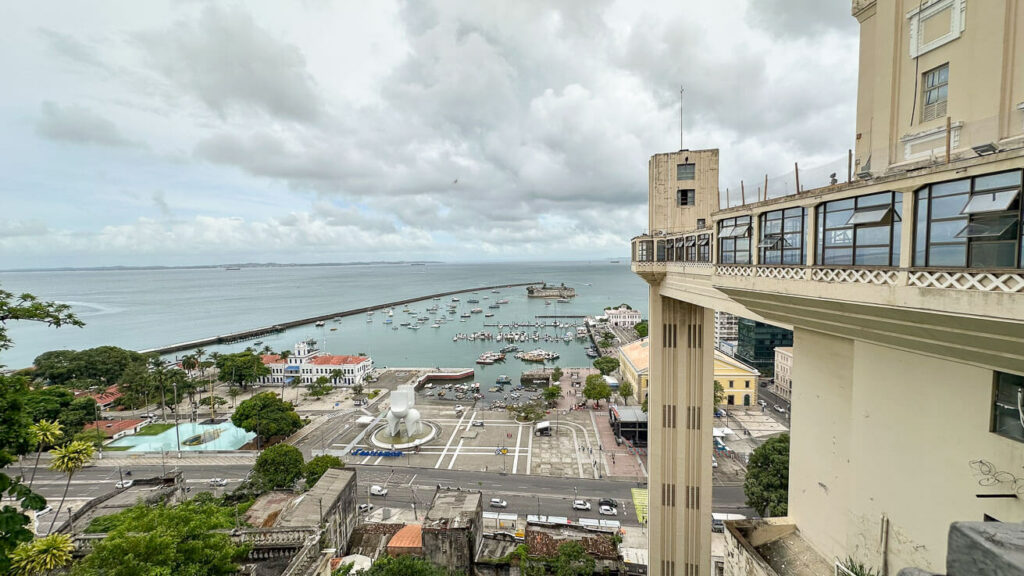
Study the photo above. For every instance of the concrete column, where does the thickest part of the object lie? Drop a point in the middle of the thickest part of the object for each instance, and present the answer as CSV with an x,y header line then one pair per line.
x,y
755,239
907,229
679,433
810,236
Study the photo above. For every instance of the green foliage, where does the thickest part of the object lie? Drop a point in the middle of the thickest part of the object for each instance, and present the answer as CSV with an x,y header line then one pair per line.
x,y
556,375
552,394
606,365
623,305
320,387
373,394
242,368
216,400
405,566
573,560
644,405
357,389
625,391
719,393
266,415
163,540
526,412
767,482
595,388
316,467
155,429
278,467
641,329
28,307
103,366
858,568
54,403
92,436
344,569
42,556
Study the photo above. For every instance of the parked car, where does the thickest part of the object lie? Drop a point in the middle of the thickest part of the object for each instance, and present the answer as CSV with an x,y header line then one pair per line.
x,y
364,508
149,415
608,511
459,408
124,484
479,423
378,490
580,505
608,502
719,413
498,503
780,409
46,510
218,482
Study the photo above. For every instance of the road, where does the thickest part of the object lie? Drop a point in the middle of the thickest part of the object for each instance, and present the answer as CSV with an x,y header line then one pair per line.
x,y
524,494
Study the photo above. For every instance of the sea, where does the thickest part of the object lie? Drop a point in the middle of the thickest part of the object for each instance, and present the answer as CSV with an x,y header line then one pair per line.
x,y
141,309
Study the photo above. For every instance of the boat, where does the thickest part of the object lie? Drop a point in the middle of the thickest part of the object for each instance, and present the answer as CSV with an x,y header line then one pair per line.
x,y
435,325
466,315
488,315
477,310
495,291
537,355
503,301
494,389
232,267
334,329
441,393
614,262
563,301
473,301
387,321
503,380
370,313
320,324
455,298
547,303
494,307
510,348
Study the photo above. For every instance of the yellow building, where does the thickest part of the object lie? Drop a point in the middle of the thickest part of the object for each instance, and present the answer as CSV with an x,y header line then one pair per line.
x,y
737,379
634,365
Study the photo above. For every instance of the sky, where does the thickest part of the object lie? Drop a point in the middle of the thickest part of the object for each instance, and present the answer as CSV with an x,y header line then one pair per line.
x,y
185,133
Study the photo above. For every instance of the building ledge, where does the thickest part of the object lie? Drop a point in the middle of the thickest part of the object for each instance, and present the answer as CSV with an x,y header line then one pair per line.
x,y
771,546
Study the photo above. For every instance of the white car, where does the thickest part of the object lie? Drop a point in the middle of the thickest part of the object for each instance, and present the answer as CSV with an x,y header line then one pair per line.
x,y
762,402
365,508
498,503
780,409
580,505
124,484
608,511
714,462
378,491
459,408
218,482
46,510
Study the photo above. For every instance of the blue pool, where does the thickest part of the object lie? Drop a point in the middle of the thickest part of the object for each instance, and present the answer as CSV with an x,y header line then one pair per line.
x,y
223,436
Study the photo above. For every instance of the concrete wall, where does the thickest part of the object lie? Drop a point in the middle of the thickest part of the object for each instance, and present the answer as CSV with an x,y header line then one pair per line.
x,y
889,433
665,214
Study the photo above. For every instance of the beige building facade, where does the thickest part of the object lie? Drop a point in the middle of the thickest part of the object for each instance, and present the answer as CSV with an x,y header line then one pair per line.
x,y
905,292
783,385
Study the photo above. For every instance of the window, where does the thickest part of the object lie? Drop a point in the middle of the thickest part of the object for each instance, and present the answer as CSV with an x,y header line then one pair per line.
x,y
782,237
734,240
973,223
701,223
730,383
1008,407
704,248
934,91
861,231
746,383
685,171
691,248
685,197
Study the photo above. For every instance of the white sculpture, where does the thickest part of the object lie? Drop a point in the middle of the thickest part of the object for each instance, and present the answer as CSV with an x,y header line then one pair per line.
x,y
402,401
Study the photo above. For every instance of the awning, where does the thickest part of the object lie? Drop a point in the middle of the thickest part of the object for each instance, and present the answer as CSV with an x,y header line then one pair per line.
x,y
691,241
291,368
703,240
874,215
991,227
990,202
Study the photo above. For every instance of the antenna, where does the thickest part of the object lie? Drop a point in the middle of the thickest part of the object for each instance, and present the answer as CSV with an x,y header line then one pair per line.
x,y
681,117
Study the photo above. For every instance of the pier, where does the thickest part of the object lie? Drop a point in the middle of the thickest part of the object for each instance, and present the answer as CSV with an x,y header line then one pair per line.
x,y
282,326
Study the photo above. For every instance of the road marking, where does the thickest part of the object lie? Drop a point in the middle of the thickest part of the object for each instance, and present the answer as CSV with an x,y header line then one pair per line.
x,y
519,437
411,479
450,439
455,454
470,423
529,455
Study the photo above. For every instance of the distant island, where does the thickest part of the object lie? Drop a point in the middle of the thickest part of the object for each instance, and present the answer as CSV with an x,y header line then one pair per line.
x,y
224,266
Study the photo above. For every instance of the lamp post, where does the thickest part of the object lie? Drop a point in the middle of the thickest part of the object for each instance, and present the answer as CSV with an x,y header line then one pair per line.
x,y
177,433
98,429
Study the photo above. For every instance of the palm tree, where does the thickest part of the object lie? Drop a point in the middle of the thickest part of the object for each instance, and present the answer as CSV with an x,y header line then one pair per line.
x,y
233,391
199,353
69,459
190,362
337,376
157,371
42,556
44,433
296,382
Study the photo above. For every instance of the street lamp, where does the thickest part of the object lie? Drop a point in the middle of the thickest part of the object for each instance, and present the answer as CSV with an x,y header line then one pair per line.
x,y
177,433
97,405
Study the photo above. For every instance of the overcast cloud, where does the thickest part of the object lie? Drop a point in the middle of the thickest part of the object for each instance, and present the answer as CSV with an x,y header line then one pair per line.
x,y
194,133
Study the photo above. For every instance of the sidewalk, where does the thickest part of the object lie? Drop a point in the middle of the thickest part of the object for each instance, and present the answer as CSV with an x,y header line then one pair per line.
x,y
197,458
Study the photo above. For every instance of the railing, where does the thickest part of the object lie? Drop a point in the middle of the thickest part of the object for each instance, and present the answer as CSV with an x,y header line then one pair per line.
x,y
1009,282
305,559
880,277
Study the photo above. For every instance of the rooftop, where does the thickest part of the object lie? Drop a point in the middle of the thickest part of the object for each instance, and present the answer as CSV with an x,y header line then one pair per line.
x,y
629,413
638,354
331,360
777,542
410,536
545,540
452,509
112,427
306,508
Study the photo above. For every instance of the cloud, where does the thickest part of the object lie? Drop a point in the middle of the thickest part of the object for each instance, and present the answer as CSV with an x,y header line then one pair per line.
x,y
72,48
228,62
79,125
800,18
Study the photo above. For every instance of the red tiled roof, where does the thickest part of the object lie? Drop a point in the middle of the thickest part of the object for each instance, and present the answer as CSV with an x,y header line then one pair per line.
x,y
271,359
111,427
411,536
330,360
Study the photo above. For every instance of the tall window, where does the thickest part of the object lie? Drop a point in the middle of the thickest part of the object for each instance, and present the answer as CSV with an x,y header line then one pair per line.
x,y
935,87
691,248
734,240
782,237
1008,408
685,171
974,222
862,231
704,248
685,197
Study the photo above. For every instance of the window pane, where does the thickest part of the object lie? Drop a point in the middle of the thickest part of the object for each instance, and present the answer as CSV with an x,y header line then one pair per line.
x,y
1003,227
837,218
947,188
921,231
726,232
728,243
726,257
840,237
1009,398
884,198
792,257
743,257
741,230
990,201
947,230
794,212
772,227
1001,180
793,224
948,206
872,235
897,242
793,240
685,171
772,257
872,215
947,255
838,256
872,256
743,244
994,254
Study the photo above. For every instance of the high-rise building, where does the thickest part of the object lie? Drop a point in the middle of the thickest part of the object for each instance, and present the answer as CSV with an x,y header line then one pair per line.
x,y
756,343
782,385
904,289
725,328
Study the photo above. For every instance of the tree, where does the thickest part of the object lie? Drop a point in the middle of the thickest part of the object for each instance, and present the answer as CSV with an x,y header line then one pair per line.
x,y
242,368
719,393
606,365
405,566
573,560
644,405
625,391
69,459
163,540
28,307
357,388
556,375
43,434
92,436
214,399
596,388
42,556
641,329
316,467
234,392
266,415
320,388
552,393
278,467
767,482
104,366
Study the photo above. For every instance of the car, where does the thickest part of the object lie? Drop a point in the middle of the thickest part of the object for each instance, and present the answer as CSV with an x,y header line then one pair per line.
x,y
124,484
364,508
46,510
719,413
607,511
459,408
478,423
378,491
580,505
218,482
780,409
608,502
714,462
498,503
762,403
149,415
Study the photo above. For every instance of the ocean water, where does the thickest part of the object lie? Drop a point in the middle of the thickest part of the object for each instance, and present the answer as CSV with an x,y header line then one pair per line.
x,y
141,309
